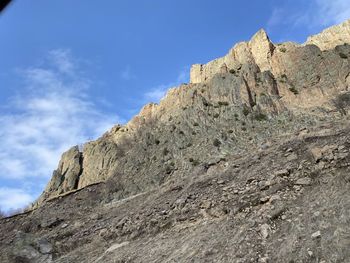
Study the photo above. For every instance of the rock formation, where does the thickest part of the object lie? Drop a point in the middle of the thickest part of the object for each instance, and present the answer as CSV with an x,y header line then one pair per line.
x,y
248,162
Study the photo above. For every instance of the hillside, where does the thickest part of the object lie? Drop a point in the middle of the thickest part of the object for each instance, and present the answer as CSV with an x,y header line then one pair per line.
x,y
249,162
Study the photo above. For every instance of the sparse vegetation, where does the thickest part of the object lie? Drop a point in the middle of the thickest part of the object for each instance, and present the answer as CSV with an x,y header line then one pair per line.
x,y
283,49
283,78
294,90
245,111
342,55
193,161
223,103
195,124
216,115
341,102
260,117
216,142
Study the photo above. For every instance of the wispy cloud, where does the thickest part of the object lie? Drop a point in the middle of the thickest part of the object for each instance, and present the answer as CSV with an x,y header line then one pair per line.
x,y
52,113
63,60
314,15
126,74
330,12
13,198
158,92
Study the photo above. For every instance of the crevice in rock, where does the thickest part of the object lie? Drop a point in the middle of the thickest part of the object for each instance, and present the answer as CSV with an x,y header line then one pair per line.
x,y
81,160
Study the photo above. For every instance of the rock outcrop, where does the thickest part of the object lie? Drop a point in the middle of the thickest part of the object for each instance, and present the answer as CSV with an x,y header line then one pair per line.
x,y
256,81
331,37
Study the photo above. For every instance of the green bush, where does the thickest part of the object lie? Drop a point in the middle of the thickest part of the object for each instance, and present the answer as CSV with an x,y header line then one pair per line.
x,y
283,49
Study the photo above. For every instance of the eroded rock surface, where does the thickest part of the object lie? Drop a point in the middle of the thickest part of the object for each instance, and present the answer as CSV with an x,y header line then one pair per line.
x,y
257,91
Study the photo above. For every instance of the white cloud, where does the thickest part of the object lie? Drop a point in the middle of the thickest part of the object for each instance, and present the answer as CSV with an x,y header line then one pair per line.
x,y
315,14
63,60
53,113
332,11
157,93
14,198
275,18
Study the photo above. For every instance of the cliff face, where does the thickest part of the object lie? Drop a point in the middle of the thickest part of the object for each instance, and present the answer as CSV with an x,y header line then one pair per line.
x,y
249,162
238,101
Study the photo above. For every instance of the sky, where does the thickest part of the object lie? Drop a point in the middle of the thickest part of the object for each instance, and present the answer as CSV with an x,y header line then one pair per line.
x,y
70,70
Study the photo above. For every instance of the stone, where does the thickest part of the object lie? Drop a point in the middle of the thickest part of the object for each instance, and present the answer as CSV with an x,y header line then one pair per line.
x,y
316,234
317,153
283,172
303,181
265,230
44,246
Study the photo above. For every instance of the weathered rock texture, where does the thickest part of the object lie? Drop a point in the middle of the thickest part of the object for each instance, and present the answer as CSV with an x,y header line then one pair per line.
x,y
247,163
255,82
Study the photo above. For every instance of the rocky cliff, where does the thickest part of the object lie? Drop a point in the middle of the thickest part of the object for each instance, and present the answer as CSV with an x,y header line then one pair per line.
x,y
238,100
246,163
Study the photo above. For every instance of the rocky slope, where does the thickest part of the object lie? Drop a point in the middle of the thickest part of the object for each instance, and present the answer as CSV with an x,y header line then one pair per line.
x,y
249,162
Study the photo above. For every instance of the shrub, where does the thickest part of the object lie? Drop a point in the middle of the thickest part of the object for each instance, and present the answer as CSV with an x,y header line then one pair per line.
x,y
342,55
283,49
157,141
245,111
216,115
283,78
195,124
294,90
223,103
216,142
341,102
232,71
193,161
260,117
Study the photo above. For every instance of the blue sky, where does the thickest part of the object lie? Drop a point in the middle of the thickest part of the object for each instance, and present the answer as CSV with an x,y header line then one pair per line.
x,y
69,70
